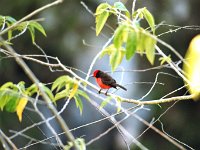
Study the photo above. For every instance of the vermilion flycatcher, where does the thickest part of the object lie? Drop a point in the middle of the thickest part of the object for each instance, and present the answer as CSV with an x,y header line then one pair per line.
x,y
105,81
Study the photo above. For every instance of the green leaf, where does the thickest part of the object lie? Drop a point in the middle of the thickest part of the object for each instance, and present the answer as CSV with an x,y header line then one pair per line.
x,y
37,26
102,15
165,59
32,90
12,102
63,94
108,50
32,33
7,85
120,34
150,48
83,94
131,44
115,59
120,6
60,82
141,41
105,102
3,98
150,19
10,19
48,92
79,103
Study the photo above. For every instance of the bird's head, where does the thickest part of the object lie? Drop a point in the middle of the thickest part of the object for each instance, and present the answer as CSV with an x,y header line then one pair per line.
x,y
96,73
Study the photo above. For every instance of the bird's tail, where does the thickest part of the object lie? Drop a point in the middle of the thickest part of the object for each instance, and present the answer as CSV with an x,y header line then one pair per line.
x,y
121,87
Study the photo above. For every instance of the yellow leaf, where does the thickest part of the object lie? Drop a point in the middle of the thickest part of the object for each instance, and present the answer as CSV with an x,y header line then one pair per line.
x,y
20,107
73,91
191,67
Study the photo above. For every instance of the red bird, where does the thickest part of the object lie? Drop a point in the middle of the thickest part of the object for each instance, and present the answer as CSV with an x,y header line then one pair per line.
x,y
105,81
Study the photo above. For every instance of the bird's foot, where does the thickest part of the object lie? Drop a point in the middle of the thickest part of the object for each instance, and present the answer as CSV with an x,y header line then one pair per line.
x,y
99,91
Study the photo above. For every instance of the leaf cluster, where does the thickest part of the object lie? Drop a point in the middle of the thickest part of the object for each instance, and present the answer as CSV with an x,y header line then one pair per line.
x,y
129,37
14,97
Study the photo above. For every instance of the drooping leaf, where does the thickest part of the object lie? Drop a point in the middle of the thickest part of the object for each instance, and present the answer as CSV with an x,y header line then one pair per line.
x,y
60,82
3,98
32,33
102,15
74,90
48,92
32,90
37,26
150,48
150,19
7,85
115,59
120,6
83,94
108,50
120,34
12,101
62,94
131,44
79,103
20,107
165,59
141,42
105,102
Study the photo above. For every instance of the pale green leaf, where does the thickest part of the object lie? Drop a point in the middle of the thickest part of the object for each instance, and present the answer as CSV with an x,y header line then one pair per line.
x,y
79,103
150,19
60,82
150,48
83,94
105,102
131,44
115,59
102,15
120,33
62,94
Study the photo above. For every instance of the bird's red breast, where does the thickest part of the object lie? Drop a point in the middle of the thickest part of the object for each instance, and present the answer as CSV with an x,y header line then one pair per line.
x,y
100,83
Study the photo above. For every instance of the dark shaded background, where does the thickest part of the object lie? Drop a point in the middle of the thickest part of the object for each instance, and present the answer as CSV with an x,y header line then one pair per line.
x,y
66,26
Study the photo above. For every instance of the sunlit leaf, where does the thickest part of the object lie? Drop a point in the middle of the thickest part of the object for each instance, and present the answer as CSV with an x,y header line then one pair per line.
x,y
150,48
150,19
48,92
7,85
131,44
63,94
20,107
119,35
115,59
108,50
141,42
165,59
60,83
191,67
32,90
102,15
73,91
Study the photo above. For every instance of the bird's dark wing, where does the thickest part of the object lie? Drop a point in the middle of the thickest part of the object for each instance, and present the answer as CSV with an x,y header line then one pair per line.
x,y
107,80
